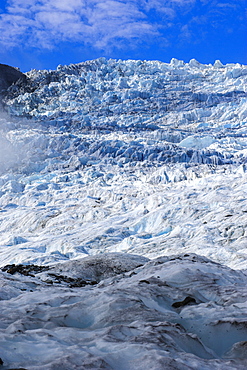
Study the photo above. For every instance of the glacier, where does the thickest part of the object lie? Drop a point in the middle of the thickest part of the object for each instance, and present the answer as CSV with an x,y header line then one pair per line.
x,y
123,205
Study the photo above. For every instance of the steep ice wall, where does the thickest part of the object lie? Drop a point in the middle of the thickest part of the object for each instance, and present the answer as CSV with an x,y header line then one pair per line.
x,y
149,90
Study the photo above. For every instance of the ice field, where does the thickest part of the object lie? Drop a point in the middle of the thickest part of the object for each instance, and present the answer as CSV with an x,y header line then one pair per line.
x,y
123,214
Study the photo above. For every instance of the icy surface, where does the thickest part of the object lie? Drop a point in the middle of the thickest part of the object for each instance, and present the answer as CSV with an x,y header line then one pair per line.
x,y
106,159
129,156
182,312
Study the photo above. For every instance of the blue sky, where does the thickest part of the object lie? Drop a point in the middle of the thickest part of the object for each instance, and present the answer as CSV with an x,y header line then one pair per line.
x,y
44,33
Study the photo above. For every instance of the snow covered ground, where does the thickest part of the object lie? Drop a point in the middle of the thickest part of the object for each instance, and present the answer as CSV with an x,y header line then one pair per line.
x,y
138,166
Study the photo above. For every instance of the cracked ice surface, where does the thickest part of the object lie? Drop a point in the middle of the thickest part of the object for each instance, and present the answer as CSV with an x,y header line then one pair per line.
x,y
103,166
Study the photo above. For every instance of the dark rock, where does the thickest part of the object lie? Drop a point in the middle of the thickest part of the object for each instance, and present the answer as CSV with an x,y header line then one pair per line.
x,y
73,282
1,361
27,270
9,75
10,78
145,281
187,300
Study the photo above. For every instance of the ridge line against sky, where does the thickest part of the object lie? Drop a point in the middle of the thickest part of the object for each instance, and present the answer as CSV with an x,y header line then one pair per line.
x,y
44,33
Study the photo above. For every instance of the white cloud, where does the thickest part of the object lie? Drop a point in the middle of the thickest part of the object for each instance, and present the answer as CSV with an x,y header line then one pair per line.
x,y
99,23
45,23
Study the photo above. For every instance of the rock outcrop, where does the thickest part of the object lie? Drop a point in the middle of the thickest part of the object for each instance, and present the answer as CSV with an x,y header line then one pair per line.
x,y
9,75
